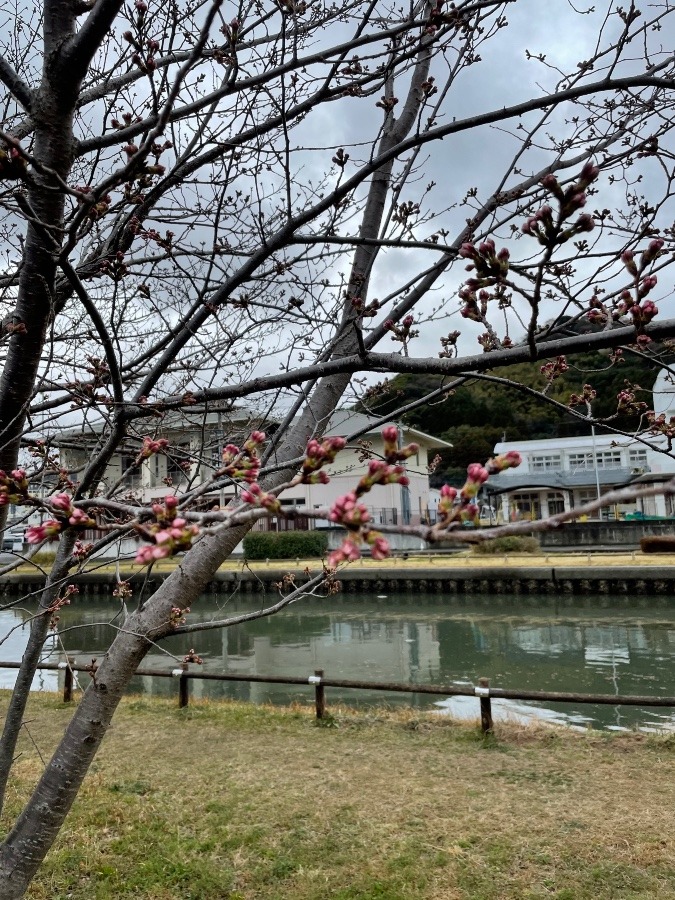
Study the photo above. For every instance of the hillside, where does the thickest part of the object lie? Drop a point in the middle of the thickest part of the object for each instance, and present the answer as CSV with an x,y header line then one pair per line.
x,y
476,416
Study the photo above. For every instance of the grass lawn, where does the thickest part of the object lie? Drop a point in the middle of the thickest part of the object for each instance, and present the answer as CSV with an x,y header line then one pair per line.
x,y
227,800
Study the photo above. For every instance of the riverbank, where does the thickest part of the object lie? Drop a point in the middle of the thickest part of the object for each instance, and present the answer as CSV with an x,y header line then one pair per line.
x,y
246,802
558,574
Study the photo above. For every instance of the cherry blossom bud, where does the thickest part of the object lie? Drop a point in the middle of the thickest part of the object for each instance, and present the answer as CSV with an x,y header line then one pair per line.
x,y
61,502
379,548
467,251
477,473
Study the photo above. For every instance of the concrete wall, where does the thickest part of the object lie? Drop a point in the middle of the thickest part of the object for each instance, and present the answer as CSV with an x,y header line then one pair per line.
x,y
604,534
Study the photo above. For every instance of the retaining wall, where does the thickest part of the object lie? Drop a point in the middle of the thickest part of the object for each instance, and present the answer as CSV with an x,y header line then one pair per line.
x,y
493,580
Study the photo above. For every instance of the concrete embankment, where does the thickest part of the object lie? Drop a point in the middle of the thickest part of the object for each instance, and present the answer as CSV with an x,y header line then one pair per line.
x,y
581,578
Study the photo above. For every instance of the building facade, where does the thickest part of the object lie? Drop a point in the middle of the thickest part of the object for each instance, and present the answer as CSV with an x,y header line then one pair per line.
x,y
194,451
560,474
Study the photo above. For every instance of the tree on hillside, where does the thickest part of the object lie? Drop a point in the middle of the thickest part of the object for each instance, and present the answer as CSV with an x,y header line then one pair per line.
x,y
252,205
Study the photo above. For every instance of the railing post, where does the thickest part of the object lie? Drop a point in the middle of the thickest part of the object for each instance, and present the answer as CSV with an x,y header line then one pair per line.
x,y
483,691
319,693
183,690
68,680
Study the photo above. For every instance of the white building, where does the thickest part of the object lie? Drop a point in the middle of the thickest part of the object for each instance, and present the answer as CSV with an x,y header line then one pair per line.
x,y
559,474
196,439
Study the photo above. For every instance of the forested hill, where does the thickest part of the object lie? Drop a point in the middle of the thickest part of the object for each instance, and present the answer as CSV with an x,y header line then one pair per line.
x,y
477,415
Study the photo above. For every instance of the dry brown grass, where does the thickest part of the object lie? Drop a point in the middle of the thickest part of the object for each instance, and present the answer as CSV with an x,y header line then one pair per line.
x,y
231,800
462,560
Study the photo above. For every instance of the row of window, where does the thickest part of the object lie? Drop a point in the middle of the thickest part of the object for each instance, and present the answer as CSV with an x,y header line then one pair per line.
x,y
603,459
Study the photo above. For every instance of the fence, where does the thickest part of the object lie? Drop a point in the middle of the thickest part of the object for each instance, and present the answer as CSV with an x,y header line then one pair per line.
x,y
482,691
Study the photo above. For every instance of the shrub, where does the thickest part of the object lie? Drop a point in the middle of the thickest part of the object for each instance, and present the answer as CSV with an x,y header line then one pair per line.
x,y
285,544
510,544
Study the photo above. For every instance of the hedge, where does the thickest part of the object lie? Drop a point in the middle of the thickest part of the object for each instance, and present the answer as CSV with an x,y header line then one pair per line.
x,y
285,544
511,543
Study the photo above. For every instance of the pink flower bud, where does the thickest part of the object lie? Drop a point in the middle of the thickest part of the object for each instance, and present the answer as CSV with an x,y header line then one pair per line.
x,y
467,251
477,473
379,548
61,502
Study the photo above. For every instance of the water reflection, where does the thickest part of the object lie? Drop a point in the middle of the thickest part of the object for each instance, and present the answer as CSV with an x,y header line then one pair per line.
x,y
527,642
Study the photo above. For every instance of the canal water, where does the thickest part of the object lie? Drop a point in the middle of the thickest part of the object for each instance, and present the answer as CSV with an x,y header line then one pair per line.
x,y
608,645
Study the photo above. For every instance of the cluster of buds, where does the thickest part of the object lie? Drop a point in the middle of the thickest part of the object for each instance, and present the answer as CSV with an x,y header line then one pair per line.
x,y
460,507
65,516
547,228
489,341
491,266
13,487
14,327
627,403
318,455
178,616
231,31
641,311
12,163
257,497
115,268
633,302
61,601
554,369
474,304
123,591
243,463
381,472
169,534
62,506
587,396
647,257
387,103
81,551
402,332
365,310
97,208
192,657
152,446
127,118
659,424
449,345
392,452
135,227
355,517
340,159
435,18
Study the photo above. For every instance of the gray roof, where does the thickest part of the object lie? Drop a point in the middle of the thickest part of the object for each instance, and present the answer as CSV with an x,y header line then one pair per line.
x,y
559,481
345,422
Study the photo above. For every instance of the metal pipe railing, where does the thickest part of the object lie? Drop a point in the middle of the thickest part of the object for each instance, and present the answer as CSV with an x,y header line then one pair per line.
x,y
483,691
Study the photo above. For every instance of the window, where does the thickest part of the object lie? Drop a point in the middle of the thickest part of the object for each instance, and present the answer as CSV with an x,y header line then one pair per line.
x,y
556,504
132,477
547,463
526,506
178,463
609,459
605,459
638,459
581,460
